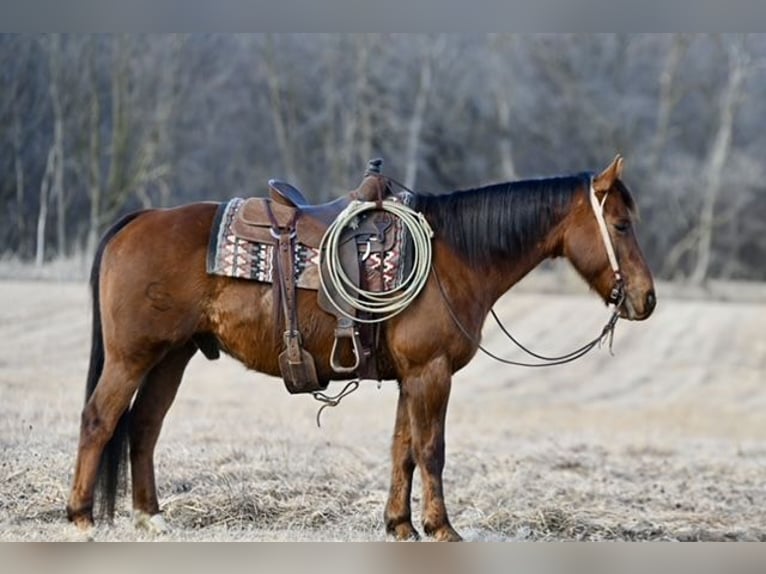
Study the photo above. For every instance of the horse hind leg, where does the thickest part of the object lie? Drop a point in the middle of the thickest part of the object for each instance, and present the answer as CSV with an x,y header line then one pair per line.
x,y
398,514
152,403
102,412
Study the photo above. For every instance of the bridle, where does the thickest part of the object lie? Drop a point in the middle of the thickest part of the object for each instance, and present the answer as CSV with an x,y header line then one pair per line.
x,y
616,298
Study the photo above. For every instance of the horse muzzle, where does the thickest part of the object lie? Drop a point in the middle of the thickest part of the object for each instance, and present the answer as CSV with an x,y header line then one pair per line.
x,y
638,308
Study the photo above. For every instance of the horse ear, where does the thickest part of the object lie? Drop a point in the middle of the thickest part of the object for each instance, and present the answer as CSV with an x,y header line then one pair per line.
x,y
607,177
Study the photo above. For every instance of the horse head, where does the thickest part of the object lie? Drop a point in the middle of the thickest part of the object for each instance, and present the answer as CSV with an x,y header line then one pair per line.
x,y
603,220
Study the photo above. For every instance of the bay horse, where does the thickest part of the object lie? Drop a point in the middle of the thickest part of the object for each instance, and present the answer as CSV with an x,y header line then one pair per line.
x,y
154,306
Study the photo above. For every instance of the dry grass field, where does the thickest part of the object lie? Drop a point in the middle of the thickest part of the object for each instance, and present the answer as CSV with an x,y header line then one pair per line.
x,y
666,440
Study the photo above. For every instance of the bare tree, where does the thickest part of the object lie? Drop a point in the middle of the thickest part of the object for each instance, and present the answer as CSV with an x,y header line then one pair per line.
x,y
57,190
354,144
430,50
501,46
116,180
739,62
52,180
18,162
19,172
668,97
278,111
42,213
94,147
359,131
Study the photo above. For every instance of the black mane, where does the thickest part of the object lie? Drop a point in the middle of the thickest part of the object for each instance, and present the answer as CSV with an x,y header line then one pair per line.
x,y
501,220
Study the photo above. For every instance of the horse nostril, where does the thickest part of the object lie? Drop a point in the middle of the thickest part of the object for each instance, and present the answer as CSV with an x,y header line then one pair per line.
x,y
651,301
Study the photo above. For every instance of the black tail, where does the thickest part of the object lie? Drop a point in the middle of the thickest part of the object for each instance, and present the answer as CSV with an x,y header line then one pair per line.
x,y
111,472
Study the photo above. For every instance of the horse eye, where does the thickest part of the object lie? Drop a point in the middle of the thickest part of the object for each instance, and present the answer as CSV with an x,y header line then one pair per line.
x,y
622,226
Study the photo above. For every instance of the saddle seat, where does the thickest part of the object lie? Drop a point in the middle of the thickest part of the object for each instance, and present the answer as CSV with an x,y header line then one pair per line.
x,y
372,188
286,194
287,207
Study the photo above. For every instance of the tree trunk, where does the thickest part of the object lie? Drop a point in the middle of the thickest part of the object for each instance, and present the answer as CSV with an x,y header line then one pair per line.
x,y
429,53
667,98
94,155
116,176
19,169
362,132
58,142
166,117
716,159
278,111
42,214
502,87
338,115
504,145
356,145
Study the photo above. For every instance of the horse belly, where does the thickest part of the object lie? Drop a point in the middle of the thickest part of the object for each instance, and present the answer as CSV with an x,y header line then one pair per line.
x,y
243,319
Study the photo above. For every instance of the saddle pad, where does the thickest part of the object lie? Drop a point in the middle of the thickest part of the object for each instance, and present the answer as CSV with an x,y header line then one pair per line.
x,y
232,256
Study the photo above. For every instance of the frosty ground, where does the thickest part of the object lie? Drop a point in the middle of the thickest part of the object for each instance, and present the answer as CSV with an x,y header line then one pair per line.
x,y
665,440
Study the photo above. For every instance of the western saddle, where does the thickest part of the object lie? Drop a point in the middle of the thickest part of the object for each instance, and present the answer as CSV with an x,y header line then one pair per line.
x,y
283,219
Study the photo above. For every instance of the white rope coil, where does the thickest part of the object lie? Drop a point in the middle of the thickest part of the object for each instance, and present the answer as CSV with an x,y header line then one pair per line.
x,y
385,304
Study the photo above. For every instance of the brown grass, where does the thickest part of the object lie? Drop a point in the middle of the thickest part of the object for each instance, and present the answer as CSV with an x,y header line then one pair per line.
x,y
664,441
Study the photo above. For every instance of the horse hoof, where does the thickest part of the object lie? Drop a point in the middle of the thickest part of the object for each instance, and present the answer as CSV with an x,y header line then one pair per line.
x,y
445,534
82,533
83,523
404,532
153,523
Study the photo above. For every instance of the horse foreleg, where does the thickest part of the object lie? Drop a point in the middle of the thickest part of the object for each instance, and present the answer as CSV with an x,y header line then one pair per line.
x,y
427,395
110,399
152,402
398,515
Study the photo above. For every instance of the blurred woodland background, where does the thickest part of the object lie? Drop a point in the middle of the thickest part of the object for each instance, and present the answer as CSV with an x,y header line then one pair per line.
x,y
93,126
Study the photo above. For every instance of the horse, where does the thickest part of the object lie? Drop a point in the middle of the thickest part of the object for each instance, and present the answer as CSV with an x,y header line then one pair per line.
x,y
154,307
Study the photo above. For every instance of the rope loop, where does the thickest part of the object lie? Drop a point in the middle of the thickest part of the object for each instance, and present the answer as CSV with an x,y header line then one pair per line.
x,y
333,400
380,306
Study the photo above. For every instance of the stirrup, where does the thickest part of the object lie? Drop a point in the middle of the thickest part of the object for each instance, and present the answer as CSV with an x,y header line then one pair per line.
x,y
346,330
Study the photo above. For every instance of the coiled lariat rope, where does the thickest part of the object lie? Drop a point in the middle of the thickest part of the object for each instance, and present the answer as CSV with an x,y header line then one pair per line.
x,y
383,305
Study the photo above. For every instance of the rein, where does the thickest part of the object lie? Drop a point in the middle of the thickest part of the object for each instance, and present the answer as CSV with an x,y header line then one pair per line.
x,y
607,333
616,297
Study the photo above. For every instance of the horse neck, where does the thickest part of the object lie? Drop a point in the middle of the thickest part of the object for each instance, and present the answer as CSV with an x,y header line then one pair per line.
x,y
487,283
492,240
